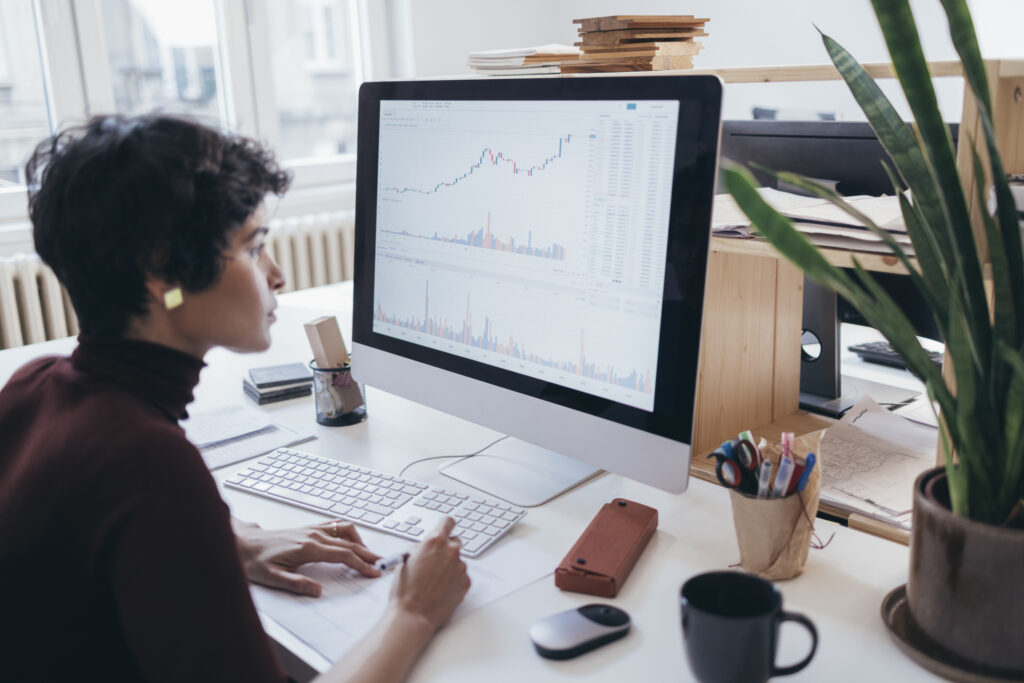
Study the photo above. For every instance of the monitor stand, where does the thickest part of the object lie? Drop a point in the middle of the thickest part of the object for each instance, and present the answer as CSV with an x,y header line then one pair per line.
x,y
520,473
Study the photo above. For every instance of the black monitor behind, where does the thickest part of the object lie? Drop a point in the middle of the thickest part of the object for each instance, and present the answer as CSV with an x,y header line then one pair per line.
x,y
849,154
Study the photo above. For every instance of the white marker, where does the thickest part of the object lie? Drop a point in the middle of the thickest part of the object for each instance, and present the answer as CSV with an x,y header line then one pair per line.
x,y
387,563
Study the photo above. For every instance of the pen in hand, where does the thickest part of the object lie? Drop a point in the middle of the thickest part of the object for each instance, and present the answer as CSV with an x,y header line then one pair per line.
x,y
387,563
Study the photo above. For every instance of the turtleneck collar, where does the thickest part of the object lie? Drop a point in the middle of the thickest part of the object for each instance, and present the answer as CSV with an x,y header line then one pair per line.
x,y
157,374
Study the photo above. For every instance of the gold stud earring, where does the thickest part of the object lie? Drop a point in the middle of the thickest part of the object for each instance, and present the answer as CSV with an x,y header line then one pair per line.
x,y
173,298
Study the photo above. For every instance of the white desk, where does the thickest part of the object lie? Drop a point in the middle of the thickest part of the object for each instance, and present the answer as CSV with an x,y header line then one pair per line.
x,y
841,589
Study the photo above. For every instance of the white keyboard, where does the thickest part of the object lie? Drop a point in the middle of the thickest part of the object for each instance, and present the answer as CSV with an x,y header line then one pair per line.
x,y
395,505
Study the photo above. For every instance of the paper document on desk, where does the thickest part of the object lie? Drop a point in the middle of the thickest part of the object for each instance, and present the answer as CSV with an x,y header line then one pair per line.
x,y
351,604
870,460
235,433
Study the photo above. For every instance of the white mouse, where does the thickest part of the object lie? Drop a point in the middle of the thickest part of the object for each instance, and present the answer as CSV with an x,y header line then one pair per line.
x,y
571,633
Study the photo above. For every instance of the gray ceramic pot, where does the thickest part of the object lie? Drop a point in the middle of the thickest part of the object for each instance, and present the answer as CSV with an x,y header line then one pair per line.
x,y
966,582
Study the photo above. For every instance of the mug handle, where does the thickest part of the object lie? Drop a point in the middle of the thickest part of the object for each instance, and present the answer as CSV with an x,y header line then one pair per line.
x,y
800,619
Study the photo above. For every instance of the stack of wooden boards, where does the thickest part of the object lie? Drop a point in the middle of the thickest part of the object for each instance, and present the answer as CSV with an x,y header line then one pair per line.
x,y
636,43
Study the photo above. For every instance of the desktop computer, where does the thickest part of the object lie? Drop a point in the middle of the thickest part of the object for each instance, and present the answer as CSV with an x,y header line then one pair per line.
x,y
530,255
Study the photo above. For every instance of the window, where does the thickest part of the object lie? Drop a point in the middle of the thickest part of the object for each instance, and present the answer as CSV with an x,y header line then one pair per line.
x,y
24,116
315,68
164,56
286,72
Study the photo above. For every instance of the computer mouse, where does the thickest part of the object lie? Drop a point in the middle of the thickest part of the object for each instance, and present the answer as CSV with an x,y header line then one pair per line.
x,y
571,633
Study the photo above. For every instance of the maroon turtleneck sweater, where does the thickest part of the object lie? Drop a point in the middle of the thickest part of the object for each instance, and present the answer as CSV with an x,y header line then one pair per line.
x,y
117,559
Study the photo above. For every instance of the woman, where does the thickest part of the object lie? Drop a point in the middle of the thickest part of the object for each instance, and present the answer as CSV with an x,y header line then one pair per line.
x,y
117,556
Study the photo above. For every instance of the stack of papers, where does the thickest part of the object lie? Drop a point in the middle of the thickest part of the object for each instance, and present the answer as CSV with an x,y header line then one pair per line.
x,y
824,224
232,434
520,61
870,460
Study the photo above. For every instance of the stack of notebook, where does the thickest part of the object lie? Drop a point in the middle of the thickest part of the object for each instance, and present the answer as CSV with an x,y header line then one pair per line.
x,y
278,382
521,61
636,43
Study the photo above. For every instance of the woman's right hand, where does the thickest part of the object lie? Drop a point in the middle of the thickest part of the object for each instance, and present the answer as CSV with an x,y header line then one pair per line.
x,y
433,580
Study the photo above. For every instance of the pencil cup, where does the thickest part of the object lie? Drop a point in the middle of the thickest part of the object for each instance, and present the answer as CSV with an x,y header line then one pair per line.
x,y
774,534
339,401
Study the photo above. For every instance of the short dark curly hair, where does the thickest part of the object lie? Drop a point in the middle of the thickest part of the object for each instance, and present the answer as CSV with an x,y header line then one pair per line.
x,y
121,198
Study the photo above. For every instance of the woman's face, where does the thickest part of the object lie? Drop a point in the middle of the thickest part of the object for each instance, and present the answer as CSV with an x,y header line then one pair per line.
x,y
237,311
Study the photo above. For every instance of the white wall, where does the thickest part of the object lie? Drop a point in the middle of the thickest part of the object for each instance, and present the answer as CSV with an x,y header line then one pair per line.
x,y
741,33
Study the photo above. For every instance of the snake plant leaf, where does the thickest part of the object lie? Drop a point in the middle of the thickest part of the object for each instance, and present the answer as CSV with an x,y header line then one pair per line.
x,y
961,28
961,31
1004,315
883,313
1008,239
899,142
934,270
1014,408
779,230
901,37
976,440
830,195
957,251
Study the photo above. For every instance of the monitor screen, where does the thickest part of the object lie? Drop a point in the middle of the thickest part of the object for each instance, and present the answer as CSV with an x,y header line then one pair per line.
x,y
498,239
544,236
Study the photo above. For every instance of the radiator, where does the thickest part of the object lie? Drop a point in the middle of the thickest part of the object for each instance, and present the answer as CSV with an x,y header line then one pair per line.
x,y
312,250
33,305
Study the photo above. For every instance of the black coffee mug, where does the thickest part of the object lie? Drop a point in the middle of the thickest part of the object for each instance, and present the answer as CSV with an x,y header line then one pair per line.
x,y
731,628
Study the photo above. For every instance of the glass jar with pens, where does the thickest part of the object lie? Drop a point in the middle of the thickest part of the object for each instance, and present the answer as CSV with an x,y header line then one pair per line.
x,y
774,490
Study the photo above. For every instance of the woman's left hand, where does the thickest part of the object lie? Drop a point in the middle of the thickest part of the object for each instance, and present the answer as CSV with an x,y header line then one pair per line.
x,y
270,557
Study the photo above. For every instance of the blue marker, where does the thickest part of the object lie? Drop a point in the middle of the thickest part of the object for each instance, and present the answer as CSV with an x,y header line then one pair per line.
x,y
811,459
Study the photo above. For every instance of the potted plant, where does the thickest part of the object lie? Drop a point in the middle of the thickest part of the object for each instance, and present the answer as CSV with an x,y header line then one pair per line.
x,y
966,582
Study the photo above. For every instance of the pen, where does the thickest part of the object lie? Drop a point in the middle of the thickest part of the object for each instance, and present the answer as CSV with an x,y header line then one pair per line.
x,y
386,563
782,478
811,459
764,479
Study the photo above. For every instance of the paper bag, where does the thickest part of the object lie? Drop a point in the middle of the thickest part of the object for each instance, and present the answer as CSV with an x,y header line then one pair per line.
x,y
774,534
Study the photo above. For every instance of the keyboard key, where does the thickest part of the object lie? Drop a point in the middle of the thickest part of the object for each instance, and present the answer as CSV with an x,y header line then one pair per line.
x,y
475,544
299,497
412,519
416,531
378,509
373,518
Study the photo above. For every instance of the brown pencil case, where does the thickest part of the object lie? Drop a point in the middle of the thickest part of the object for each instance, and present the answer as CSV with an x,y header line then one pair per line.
x,y
605,553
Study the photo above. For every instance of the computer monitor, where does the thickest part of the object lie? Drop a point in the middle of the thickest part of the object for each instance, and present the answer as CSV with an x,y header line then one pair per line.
x,y
849,155
530,255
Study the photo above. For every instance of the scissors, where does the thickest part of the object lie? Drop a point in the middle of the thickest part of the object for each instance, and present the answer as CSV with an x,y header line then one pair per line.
x,y
737,465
